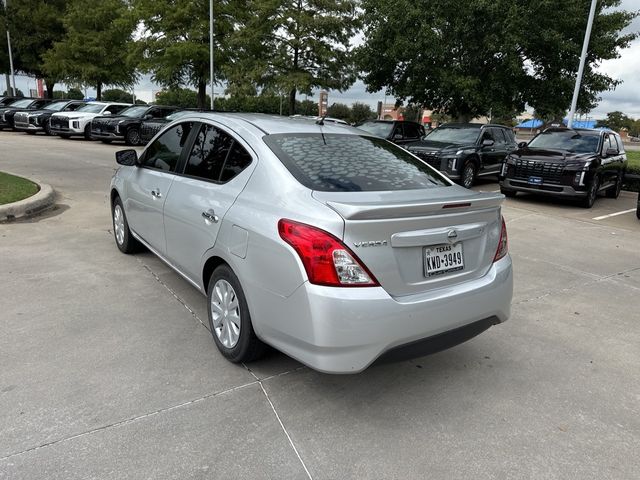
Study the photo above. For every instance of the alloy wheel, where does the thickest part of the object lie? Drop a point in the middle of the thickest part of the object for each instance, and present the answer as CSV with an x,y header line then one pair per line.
x,y
225,313
118,224
467,175
133,136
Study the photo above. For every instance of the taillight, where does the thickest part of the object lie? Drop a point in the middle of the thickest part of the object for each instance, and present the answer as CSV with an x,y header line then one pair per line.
x,y
503,243
326,259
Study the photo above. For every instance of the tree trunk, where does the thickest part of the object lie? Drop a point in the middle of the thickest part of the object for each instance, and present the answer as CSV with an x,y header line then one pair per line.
x,y
99,91
202,94
464,117
292,101
49,84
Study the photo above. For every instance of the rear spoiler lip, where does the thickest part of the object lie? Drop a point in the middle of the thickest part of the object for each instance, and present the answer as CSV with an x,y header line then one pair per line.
x,y
378,211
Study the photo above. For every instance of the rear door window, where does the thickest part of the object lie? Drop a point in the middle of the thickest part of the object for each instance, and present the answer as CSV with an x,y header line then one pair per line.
x,y
113,109
411,130
351,163
164,153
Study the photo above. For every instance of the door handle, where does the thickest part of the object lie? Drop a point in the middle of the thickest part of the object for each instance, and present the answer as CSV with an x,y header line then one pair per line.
x,y
211,216
156,193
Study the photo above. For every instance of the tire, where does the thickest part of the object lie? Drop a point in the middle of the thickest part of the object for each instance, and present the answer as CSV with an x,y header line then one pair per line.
x,y
132,137
64,135
592,193
231,329
122,235
508,193
87,132
47,127
638,207
468,175
614,192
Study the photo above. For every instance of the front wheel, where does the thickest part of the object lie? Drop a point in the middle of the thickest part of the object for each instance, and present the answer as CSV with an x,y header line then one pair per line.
x,y
614,192
592,193
124,239
47,127
87,132
468,174
229,318
132,137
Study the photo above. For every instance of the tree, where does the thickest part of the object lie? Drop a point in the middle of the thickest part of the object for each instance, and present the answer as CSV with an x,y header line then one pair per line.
x,y
361,112
175,44
117,95
180,97
441,54
17,94
339,110
413,113
616,121
294,46
96,47
34,26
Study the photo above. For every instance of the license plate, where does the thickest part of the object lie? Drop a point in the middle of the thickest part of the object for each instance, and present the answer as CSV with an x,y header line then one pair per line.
x,y
535,181
441,259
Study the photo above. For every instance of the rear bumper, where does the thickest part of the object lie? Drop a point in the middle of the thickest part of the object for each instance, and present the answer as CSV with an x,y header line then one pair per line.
x,y
553,189
344,330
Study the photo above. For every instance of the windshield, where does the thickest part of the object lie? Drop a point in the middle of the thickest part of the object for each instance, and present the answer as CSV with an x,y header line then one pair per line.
x,y
351,163
569,140
56,106
22,103
453,135
92,108
135,112
379,129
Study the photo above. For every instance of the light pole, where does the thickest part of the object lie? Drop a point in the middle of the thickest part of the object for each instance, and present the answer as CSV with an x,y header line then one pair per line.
x,y
13,75
211,50
583,57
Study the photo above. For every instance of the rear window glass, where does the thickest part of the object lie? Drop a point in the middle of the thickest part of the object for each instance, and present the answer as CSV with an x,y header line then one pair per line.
x,y
351,163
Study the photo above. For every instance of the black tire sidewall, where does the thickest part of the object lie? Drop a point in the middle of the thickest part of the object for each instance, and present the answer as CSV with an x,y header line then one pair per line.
x,y
468,164
589,201
239,352
87,132
127,136
128,243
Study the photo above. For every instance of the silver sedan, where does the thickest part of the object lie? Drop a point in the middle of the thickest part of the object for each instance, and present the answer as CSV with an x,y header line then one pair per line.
x,y
333,246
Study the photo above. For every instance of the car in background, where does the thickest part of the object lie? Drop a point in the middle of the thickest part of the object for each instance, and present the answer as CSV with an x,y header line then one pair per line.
x,y
33,121
334,246
8,99
149,128
465,151
576,163
126,125
317,118
8,112
78,123
396,131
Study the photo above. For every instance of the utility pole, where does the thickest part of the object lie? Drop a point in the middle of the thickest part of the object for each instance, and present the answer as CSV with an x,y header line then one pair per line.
x,y
10,89
211,51
583,57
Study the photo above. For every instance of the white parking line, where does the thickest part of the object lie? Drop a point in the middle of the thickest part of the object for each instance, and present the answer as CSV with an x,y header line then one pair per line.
x,y
614,214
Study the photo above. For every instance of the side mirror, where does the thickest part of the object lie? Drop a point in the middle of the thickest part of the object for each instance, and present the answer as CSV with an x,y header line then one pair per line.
x,y
128,157
487,142
522,144
106,113
397,136
612,152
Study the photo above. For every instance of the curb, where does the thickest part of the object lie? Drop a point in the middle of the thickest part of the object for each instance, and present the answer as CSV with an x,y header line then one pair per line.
x,y
42,200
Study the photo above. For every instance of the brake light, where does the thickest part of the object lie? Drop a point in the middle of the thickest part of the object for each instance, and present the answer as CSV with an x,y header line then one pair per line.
x,y
326,259
503,243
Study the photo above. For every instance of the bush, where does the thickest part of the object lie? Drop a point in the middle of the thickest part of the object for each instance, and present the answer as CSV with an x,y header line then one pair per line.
x,y
117,95
179,97
633,168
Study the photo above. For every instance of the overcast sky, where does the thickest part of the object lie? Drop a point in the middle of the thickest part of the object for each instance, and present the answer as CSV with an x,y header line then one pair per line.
x,y
626,97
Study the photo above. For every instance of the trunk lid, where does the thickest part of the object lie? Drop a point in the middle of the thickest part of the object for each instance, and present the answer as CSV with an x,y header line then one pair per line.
x,y
390,231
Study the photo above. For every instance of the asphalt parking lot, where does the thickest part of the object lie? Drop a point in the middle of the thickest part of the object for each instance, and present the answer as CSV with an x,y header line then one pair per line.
x,y
107,370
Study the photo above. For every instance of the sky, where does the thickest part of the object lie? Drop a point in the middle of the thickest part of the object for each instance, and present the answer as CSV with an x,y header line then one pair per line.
x,y
625,98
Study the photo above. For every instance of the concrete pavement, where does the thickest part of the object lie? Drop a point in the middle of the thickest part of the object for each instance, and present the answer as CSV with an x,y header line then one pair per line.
x,y
108,372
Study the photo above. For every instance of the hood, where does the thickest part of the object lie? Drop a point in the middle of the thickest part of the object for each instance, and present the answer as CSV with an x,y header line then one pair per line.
x,y
114,118
40,111
551,156
76,114
430,146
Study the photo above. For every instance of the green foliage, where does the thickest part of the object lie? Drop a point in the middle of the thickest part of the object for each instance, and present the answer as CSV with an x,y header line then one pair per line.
x,y
306,107
413,113
339,110
633,168
293,46
18,93
616,121
361,112
13,189
179,97
75,94
34,26
95,49
117,95
464,58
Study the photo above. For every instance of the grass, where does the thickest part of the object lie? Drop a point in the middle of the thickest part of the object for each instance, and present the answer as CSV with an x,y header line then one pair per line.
x,y
14,188
633,168
634,160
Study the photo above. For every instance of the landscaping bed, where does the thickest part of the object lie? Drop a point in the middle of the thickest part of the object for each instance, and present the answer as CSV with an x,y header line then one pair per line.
x,y
13,189
633,168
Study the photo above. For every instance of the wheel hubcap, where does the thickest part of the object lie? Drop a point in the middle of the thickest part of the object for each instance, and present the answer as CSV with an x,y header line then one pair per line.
x,y
134,137
468,176
118,224
225,313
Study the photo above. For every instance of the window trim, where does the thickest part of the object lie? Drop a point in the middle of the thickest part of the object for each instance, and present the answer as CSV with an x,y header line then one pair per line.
x,y
187,147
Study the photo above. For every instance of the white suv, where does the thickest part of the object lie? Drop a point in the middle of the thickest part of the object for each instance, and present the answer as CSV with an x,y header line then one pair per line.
x,y
68,124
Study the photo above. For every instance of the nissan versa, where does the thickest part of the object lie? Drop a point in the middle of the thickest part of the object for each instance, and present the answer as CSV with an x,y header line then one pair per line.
x,y
331,245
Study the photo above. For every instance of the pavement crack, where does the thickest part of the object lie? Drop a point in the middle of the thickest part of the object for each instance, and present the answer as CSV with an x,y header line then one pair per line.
x,y
275,412
129,420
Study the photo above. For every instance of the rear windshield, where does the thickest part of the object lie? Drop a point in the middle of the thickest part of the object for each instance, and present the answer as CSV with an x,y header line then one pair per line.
x,y
570,141
379,129
351,163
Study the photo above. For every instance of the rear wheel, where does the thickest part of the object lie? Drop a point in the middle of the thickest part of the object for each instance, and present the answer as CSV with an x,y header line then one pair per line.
x,y
468,174
87,132
132,137
592,193
47,127
229,318
614,192
124,239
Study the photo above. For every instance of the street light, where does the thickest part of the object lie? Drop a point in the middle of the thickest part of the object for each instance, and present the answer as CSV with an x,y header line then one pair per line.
x,y
13,75
583,57
211,49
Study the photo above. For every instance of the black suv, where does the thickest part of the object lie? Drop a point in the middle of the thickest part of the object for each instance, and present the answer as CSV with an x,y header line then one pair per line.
x,y
33,121
126,125
8,111
396,131
577,163
150,127
464,151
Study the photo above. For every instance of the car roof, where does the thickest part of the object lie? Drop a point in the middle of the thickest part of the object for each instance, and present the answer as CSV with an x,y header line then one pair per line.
x,y
390,121
273,124
472,125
